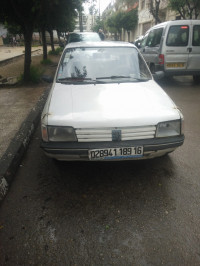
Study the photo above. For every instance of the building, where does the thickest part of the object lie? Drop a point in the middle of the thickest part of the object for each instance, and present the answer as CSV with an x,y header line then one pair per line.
x,y
88,22
146,20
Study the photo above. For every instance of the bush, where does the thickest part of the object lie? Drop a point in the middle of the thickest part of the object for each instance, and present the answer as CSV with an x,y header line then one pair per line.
x,y
35,75
57,51
46,61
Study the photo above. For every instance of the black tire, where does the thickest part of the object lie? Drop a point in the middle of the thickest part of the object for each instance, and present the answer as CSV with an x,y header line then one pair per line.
x,y
152,68
196,79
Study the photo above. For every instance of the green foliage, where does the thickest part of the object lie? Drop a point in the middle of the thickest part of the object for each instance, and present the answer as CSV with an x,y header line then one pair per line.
x,y
122,19
26,16
186,8
114,22
46,61
57,51
35,75
130,19
99,24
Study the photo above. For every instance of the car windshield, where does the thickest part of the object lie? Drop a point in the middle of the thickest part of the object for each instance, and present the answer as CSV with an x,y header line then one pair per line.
x,y
103,64
92,37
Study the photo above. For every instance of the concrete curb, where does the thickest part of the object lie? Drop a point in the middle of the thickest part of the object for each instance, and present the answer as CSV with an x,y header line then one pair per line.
x,y
11,159
11,59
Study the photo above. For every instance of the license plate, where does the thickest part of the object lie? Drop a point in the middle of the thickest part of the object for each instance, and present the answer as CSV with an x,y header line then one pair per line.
x,y
175,65
116,153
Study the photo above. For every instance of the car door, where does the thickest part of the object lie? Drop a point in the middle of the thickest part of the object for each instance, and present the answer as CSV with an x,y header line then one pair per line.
x,y
177,46
152,48
194,55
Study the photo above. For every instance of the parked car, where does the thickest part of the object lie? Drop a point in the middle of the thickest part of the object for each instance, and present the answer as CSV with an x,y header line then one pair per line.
x,y
174,48
105,105
83,37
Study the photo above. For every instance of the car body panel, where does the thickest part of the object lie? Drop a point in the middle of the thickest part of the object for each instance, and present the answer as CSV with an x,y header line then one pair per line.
x,y
103,105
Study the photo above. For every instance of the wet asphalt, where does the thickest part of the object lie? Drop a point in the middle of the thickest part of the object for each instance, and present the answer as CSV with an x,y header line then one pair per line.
x,y
112,213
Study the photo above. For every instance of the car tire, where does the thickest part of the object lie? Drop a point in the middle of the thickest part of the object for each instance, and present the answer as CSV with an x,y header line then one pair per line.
x,y
196,79
152,69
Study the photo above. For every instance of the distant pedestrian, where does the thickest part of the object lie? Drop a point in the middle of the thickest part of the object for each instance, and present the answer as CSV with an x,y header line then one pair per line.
x,y
101,34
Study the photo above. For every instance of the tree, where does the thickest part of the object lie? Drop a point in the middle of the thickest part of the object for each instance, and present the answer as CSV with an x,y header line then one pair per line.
x,y
186,8
60,14
130,19
99,24
23,14
28,15
114,22
154,6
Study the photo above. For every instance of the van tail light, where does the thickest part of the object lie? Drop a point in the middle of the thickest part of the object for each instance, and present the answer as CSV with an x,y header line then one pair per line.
x,y
161,59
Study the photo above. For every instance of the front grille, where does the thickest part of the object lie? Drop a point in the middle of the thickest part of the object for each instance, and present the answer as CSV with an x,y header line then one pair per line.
x,y
105,134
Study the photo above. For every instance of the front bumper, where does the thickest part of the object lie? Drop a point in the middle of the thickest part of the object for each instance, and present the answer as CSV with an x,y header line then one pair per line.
x,y
76,151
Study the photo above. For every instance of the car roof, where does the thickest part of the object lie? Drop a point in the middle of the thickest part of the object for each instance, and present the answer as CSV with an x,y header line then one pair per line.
x,y
99,44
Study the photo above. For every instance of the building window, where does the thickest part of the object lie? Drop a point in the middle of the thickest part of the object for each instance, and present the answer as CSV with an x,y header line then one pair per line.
x,y
142,4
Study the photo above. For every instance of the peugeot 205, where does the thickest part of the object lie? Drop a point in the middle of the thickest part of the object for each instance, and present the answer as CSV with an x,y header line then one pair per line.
x,y
105,105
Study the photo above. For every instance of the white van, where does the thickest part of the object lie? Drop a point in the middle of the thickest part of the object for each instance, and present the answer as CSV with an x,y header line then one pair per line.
x,y
174,48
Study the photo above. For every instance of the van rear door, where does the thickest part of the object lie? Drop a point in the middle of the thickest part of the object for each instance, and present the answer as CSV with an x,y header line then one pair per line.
x,y
194,55
176,47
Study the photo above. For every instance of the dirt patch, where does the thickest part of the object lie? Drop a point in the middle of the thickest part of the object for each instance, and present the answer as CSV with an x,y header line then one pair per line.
x,y
15,67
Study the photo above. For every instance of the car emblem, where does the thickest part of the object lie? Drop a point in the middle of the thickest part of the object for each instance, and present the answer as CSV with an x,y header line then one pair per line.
x,y
116,135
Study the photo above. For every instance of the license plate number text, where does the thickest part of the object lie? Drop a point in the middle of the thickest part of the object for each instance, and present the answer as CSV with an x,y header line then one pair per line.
x,y
116,153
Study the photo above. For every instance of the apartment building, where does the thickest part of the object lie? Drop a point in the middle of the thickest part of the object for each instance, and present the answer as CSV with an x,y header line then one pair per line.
x,y
146,20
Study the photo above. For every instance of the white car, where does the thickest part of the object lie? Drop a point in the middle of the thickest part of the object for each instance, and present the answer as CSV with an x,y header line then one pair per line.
x,y
105,105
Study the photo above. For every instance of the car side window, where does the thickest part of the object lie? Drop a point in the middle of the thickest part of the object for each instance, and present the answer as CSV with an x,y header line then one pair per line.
x,y
143,42
196,36
150,38
154,37
158,36
178,35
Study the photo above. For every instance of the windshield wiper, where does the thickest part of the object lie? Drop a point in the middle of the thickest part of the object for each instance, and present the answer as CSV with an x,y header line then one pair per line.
x,y
113,77
121,77
73,78
78,79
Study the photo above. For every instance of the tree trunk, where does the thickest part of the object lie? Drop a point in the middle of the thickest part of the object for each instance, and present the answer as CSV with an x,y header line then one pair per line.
x,y
44,44
27,61
52,42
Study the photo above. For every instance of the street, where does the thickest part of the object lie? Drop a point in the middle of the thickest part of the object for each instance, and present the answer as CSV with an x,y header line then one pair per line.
x,y
108,213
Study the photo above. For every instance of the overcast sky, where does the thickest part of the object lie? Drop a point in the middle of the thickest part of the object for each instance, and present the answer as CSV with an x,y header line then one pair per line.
x,y
102,4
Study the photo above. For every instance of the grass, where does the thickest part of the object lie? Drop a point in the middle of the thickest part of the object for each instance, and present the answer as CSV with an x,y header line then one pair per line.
x,y
46,61
35,75
57,51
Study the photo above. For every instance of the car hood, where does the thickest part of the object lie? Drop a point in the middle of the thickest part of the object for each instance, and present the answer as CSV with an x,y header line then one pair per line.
x,y
109,105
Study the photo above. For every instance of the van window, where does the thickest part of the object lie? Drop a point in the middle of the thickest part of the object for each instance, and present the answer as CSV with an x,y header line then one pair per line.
x,y
154,37
196,36
143,43
178,35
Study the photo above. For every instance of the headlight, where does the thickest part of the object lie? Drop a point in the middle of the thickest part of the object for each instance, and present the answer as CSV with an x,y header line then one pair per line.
x,y
61,133
168,129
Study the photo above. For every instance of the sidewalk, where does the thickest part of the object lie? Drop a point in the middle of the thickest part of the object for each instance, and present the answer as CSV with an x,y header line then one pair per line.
x,y
20,109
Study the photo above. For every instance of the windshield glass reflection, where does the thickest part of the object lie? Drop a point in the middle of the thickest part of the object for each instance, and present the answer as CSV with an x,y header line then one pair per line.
x,y
102,63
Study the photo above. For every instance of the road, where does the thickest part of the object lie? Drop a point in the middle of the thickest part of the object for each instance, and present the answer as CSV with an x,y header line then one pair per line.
x,y
115,213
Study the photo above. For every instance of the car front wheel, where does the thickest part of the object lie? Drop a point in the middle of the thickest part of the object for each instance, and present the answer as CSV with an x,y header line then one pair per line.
x,y
196,79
